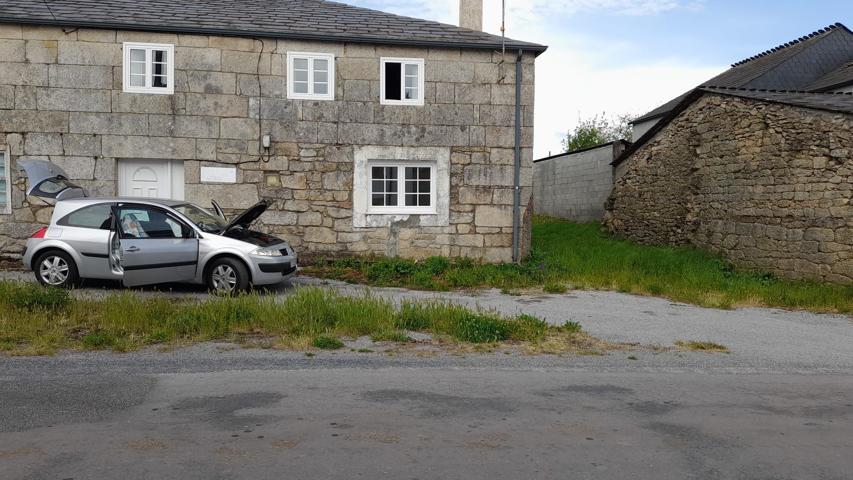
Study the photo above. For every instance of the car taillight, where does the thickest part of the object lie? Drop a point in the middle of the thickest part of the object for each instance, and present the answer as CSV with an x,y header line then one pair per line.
x,y
39,233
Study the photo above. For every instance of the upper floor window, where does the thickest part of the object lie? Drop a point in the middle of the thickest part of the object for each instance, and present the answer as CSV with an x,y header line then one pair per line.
x,y
310,76
5,189
149,68
401,81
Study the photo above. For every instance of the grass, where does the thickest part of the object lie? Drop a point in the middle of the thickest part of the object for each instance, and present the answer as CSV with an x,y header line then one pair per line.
x,y
37,320
701,346
581,256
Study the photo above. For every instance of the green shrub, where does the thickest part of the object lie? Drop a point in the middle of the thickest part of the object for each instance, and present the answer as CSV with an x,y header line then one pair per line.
x,y
327,342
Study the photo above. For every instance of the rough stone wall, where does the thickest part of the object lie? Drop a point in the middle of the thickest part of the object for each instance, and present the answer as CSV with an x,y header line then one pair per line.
x,y
767,185
574,186
61,99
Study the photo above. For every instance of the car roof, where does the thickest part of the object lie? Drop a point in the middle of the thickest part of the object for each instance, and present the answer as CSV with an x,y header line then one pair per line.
x,y
149,201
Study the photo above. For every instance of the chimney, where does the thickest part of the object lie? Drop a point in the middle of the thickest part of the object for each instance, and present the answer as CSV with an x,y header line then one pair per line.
x,y
471,14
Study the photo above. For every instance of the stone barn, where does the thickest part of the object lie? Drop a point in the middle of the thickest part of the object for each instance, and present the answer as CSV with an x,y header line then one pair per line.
x,y
765,178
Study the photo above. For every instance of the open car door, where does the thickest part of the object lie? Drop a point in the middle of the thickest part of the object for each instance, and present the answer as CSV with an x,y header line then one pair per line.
x,y
150,245
47,180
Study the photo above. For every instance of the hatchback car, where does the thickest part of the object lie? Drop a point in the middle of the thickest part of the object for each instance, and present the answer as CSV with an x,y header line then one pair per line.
x,y
144,241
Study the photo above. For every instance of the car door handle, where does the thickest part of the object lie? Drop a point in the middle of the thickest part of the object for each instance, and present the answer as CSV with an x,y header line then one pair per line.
x,y
132,249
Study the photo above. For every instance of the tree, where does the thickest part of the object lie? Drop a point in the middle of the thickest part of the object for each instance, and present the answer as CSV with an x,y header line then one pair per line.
x,y
597,130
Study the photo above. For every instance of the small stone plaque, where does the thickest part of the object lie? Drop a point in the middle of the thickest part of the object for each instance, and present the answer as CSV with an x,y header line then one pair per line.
x,y
218,175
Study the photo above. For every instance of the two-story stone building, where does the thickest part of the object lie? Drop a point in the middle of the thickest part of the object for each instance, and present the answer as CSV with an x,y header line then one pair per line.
x,y
369,133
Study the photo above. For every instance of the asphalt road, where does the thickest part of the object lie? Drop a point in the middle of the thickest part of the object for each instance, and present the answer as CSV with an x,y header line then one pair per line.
x,y
780,406
212,413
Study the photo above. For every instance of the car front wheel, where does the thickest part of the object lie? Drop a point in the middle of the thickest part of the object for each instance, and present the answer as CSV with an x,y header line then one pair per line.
x,y
56,269
227,276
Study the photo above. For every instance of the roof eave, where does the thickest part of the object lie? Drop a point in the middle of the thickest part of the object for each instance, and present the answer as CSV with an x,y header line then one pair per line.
x,y
527,47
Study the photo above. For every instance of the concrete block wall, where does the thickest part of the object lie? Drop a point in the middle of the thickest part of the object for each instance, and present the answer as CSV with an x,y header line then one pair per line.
x,y
61,99
574,186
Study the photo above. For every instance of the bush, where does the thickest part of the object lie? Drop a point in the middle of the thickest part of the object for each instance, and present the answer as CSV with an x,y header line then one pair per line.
x,y
528,328
327,342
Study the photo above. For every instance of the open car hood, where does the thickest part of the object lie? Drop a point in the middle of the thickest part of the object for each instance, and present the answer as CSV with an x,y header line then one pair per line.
x,y
47,180
246,217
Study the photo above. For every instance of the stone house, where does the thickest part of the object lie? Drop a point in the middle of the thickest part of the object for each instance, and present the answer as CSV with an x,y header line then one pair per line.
x,y
763,176
369,133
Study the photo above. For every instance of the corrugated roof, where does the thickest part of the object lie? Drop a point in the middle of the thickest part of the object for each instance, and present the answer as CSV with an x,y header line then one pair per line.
x,y
296,19
792,66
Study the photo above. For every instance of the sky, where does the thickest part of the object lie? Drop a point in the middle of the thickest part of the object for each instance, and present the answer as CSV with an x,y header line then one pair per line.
x,y
617,57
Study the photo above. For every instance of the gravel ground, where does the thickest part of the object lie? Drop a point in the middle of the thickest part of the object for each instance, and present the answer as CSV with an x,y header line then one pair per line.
x,y
758,338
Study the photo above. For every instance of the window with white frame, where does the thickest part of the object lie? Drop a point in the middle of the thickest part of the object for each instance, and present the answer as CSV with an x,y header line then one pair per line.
x,y
402,188
310,76
149,68
401,81
5,181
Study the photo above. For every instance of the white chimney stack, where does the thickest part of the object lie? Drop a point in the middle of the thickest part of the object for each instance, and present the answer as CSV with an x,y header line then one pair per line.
x,y
471,14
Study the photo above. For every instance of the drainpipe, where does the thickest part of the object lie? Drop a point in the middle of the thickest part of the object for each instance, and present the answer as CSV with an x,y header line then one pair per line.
x,y
516,203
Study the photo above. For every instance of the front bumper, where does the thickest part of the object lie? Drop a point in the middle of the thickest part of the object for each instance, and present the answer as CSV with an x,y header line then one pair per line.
x,y
270,270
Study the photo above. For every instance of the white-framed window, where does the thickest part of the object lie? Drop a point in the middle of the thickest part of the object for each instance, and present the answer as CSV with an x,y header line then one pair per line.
x,y
401,81
5,182
310,76
401,187
149,68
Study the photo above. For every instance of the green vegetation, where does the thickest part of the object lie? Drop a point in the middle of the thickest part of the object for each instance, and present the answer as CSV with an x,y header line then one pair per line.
x,y
35,320
702,346
327,342
582,256
598,129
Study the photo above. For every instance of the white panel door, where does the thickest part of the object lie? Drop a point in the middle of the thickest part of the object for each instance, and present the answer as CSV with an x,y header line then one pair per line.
x,y
150,179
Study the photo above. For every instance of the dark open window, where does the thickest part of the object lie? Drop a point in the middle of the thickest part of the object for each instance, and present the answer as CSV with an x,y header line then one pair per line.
x,y
393,87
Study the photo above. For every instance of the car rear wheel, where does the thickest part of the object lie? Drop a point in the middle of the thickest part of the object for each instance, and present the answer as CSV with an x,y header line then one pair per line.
x,y
227,276
56,269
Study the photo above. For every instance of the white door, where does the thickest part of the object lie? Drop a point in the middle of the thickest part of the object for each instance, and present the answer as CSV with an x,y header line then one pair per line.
x,y
151,179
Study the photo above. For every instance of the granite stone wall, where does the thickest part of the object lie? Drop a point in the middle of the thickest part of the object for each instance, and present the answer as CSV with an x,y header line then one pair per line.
x,y
61,100
767,185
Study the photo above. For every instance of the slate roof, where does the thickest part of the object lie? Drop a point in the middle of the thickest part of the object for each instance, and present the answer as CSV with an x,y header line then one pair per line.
x,y
294,19
833,102
795,65
835,79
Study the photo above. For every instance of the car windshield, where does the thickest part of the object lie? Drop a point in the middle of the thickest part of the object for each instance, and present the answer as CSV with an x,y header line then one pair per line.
x,y
205,220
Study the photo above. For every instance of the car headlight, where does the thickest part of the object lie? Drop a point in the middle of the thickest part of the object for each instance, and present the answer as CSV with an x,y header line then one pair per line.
x,y
266,253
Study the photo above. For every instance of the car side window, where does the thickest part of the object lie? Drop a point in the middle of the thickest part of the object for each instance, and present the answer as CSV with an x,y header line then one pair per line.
x,y
93,216
142,222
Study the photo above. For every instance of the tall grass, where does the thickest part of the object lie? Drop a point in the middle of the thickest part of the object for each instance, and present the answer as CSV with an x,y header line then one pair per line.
x,y
582,256
39,320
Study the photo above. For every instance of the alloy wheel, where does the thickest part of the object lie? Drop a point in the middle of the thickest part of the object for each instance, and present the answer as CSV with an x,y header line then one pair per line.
x,y
54,270
224,279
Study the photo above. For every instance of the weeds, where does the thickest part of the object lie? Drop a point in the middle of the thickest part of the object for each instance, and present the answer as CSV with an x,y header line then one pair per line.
x,y
702,346
38,320
582,256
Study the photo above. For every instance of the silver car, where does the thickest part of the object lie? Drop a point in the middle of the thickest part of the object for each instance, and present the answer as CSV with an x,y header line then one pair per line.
x,y
144,241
